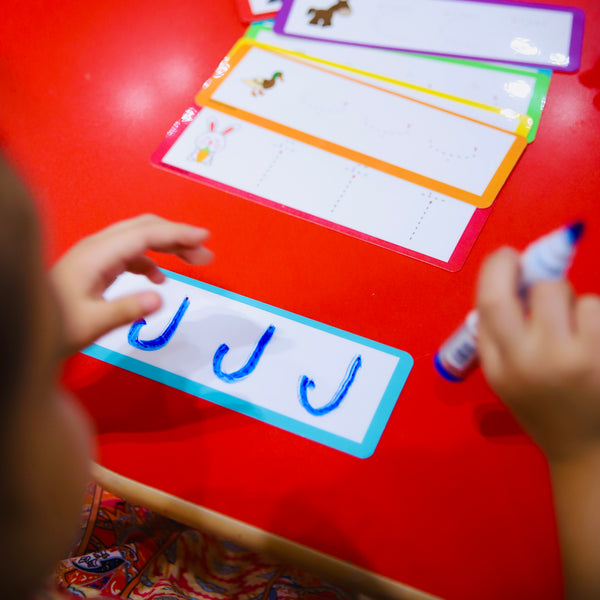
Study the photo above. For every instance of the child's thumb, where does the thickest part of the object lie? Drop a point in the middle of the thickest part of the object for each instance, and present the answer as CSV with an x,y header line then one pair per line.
x,y
127,309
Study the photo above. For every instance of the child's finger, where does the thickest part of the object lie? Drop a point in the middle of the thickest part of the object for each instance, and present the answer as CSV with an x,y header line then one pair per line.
x,y
551,304
587,318
492,359
197,256
183,240
149,232
144,265
123,311
501,315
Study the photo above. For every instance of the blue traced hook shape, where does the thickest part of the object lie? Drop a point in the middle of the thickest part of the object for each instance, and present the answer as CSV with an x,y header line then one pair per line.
x,y
306,383
163,339
250,364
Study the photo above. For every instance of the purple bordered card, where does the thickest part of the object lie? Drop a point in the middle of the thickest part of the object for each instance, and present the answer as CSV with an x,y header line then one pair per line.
x,y
538,35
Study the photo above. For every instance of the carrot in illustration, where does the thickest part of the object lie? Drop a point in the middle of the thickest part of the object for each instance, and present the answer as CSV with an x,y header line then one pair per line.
x,y
209,144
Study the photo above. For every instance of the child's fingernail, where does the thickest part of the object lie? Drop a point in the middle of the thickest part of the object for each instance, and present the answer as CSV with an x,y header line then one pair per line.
x,y
150,301
200,234
158,276
207,255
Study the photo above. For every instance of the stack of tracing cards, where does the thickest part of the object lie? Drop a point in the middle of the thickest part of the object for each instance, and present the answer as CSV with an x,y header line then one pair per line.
x,y
395,122
391,121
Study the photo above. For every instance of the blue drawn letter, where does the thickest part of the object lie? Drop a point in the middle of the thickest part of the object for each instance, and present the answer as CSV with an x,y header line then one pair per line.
x,y
163,339
306,383
250,364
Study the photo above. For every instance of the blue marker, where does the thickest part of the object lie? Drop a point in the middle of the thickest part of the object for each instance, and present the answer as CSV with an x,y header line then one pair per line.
x,y
306,383
163,339
547,258
251,363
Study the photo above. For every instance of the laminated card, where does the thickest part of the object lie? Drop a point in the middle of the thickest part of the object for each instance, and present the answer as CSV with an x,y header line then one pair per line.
x,y
431,147
501,95
519,32
254,10
263,166
313,380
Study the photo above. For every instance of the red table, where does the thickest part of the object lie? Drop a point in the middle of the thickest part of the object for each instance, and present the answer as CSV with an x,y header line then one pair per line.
x,y
456,500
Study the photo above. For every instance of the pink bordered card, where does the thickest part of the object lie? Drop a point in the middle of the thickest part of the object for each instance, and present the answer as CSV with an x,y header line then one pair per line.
x,y
257,10
222,151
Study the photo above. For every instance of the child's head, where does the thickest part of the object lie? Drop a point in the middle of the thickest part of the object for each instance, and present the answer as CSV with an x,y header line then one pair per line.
x,y
44,438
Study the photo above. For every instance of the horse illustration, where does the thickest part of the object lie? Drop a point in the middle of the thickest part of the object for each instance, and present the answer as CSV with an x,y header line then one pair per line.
x,y
323,16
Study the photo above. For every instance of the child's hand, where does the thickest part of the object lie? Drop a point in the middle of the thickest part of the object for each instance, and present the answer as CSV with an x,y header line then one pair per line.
x,y
545,365
82,275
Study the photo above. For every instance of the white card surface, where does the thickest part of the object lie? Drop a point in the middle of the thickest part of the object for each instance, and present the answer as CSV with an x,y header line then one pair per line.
x,y
313,380
513,92
419,142
320,184
500,31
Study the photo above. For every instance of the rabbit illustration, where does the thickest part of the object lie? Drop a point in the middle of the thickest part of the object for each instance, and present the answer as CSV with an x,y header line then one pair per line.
x,y
207,145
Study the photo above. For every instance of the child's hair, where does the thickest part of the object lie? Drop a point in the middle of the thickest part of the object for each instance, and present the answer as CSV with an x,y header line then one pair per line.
x,y
18,242
18,247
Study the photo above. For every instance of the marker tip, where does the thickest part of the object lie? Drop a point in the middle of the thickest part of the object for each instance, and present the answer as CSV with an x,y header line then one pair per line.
x,y
443,371
575,231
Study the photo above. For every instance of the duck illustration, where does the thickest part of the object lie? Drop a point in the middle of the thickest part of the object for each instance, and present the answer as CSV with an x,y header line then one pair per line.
x,y
259,84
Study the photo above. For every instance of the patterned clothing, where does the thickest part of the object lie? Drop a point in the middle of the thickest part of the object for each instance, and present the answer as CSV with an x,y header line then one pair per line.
x,y
127,551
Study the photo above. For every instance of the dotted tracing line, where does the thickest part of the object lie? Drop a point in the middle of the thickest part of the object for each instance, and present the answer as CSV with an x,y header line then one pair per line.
x,y
386,131
279,154
450,155
351,181
418,224
317,104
